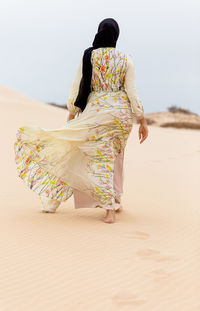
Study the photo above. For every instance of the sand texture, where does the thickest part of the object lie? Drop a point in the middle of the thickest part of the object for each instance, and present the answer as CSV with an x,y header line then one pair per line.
x,y
148,260
174,120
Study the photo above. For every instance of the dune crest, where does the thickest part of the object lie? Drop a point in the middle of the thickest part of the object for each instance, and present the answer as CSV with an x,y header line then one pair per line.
x,y
174,119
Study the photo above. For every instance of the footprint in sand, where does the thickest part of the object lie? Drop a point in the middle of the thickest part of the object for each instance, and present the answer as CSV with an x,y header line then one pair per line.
x,y
154,255
122,301
165,258
147,252
136,235
160,275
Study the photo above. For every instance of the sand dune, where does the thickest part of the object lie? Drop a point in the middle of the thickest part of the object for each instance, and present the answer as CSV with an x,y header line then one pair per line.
x,y
148,260
174,120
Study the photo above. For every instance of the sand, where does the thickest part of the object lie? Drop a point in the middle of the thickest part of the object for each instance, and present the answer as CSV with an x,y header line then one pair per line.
x,y
174,119
148,260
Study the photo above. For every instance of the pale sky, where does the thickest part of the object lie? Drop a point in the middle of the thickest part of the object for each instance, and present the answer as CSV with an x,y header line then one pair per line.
x,y
42,42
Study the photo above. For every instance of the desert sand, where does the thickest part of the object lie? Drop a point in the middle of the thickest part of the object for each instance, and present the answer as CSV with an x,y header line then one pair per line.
x,y
148,260
174,119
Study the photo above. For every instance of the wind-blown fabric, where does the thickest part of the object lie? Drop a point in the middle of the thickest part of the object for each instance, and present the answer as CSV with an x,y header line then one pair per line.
x,y
81,155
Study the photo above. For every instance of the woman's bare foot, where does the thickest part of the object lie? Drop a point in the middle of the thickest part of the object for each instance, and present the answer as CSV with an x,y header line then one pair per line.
x,y
110,217
119,210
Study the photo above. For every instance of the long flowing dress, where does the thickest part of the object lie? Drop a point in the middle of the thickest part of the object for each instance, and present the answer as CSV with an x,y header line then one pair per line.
x,y
85,157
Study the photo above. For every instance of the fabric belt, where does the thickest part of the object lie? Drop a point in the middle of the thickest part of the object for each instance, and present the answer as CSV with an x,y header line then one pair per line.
x,y
106,91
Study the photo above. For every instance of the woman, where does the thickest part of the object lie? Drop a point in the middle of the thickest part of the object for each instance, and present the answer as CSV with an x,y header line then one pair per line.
x,y
85,157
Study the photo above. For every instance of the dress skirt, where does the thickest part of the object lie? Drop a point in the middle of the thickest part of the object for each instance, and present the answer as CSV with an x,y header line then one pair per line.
x,y
84,157
82,200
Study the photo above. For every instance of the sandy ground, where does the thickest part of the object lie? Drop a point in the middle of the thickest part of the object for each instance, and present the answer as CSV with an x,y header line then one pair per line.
x,y
148,260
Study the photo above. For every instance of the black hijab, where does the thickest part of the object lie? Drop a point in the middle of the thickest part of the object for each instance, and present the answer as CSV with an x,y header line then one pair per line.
x,y
107,35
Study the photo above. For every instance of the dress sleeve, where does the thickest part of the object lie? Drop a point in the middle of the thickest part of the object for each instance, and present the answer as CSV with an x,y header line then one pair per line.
x,y
74,91
131,91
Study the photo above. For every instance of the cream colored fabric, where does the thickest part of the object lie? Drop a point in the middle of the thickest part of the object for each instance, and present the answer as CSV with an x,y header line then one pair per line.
x,y
129,85
131,91
74,89
81,154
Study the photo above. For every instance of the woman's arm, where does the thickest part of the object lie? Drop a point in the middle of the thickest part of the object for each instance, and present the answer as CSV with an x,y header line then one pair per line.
x,y
74,93
131,91
134,99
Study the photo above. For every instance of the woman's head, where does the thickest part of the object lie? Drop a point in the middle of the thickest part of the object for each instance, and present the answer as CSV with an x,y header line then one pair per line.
x,y
108,33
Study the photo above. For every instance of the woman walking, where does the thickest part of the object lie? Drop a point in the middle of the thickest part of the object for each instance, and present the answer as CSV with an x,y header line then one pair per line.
x,y
85,157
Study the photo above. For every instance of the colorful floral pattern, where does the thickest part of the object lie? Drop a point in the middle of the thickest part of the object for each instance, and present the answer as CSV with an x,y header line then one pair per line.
x,y
81,155
109,67
31,170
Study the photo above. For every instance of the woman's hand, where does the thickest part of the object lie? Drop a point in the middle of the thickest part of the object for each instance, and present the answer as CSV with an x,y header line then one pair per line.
x,y
143,130
70,116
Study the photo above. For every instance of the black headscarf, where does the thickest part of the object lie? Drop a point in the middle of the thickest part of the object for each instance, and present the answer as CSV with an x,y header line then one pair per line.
x,y
107,35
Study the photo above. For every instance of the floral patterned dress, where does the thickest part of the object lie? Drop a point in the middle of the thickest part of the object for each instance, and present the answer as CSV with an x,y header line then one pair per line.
x,y
80,158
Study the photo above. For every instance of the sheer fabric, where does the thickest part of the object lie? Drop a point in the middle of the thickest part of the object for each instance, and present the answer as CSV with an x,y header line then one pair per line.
x,y
80,157
129,85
